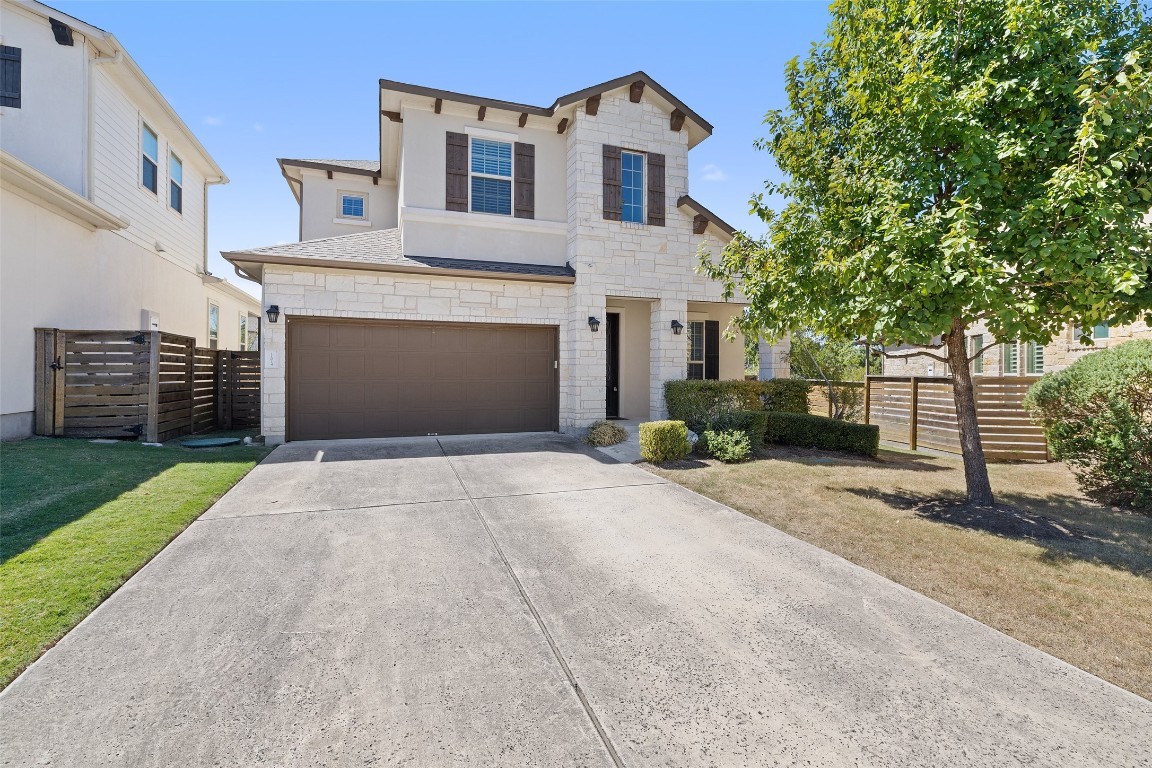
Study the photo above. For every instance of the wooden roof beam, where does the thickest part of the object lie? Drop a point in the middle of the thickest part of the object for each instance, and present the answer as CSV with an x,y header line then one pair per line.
x,y
677,121
523,119
563,126
438,105
635,91
480,113
592,106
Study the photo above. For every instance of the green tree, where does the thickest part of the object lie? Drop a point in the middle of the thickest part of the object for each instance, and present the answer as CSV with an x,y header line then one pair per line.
x,y
948,161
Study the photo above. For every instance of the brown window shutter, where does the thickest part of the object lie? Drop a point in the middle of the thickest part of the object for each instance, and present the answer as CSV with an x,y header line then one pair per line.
x,y
655,190
712,349
612,197
456,172
525,187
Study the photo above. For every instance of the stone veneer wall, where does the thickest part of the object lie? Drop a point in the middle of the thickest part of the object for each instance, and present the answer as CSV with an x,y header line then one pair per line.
x,y
613,258
384,296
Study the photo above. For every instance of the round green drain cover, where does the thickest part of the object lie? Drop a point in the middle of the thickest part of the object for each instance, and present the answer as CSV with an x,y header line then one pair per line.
x,y
210,442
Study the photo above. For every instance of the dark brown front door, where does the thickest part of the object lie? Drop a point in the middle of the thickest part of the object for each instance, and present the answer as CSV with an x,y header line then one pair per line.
x,y
612,365
385,378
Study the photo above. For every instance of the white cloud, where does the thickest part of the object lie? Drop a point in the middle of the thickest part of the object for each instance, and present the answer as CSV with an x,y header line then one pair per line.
x,y
258,127
713,172
213,120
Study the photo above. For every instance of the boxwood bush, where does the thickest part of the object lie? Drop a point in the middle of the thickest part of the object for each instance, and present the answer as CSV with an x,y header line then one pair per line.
x,y
662,441
701,403
729,445
807,431
1097,416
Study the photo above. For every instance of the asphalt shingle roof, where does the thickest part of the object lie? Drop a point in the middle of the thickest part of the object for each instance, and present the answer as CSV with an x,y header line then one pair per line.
x,y
382,247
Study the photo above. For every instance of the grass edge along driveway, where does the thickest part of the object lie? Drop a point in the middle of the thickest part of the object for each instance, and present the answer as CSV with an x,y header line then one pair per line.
x,y
1067,576
78,519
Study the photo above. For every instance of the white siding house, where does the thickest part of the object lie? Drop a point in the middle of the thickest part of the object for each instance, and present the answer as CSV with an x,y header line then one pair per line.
x,y
90,238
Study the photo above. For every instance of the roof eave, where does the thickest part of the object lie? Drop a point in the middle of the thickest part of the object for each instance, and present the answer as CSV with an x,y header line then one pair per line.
x,y
241,257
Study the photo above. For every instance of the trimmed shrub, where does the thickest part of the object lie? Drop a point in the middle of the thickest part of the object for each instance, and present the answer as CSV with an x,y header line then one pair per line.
x,y
662,441
700,403
1097,416
603,433
785,395
751,423
807,431
729,446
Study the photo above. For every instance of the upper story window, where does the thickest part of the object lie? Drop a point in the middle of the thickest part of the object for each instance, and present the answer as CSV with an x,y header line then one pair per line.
x,y
632,187
1034,361
1010,362
9,76
175,183
490,180
150,152
353,206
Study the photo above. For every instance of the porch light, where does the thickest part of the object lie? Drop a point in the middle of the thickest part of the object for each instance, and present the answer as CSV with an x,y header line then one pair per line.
x,y
273,313
594,323
677,327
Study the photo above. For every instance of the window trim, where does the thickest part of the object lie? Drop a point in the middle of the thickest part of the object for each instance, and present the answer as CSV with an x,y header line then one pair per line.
x,y
474,136
643,186
173,183
154,160
343,193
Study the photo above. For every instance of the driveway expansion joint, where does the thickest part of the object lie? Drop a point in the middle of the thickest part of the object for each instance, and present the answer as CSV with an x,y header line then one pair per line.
x,y
584,702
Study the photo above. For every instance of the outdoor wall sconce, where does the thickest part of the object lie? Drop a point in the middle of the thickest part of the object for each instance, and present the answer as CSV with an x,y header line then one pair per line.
x,y
594,323
273,313
677,327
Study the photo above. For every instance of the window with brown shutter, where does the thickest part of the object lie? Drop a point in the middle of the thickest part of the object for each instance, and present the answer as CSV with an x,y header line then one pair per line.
x,y
655,189
525,192
456,171
612,202
9,76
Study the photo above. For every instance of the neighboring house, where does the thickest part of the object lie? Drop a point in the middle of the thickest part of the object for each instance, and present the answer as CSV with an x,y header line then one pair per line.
x,y
1018,358
104,193
501,267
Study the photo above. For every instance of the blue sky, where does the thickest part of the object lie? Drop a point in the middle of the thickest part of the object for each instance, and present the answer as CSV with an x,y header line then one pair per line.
x,y
261,80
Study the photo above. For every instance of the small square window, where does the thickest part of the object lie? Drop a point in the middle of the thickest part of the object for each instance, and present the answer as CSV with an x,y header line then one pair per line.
x,y
1100,331
149,162
352,206
175,183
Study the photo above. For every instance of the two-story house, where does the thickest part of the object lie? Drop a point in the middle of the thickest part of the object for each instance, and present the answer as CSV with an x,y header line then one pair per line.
x,y
501,267
103,213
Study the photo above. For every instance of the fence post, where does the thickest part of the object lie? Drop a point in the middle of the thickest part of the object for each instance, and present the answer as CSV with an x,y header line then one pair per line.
x,y
913,406
867,397
45,381
152,425
190,382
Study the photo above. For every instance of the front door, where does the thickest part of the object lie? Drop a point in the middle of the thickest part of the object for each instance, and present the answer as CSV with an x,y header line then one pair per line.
x,y
612,339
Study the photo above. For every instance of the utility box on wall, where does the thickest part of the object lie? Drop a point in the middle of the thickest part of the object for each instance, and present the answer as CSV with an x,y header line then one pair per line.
x,y
149,320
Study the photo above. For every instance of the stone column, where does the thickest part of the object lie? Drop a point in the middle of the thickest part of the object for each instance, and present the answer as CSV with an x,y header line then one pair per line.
x,y
669,352
774,359
583,361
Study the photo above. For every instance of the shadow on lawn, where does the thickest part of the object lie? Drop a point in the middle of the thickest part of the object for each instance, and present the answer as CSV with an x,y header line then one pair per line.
x,y
48,483
1068,529
886,459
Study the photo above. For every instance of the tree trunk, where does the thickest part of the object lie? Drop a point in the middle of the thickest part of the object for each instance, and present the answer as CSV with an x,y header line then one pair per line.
x,y
975,469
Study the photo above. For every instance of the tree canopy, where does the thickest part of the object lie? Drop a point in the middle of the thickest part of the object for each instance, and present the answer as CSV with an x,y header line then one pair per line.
x,y
952,161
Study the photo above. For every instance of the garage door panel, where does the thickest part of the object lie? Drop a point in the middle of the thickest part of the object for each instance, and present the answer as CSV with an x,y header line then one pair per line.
x,y
392,378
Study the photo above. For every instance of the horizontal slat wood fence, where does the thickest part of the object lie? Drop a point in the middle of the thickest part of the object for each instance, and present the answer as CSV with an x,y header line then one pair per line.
x,y
146,384
820,403
920,411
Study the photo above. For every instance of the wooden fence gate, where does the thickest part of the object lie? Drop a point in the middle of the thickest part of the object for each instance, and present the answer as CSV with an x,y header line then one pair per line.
x,y
921,411
146,384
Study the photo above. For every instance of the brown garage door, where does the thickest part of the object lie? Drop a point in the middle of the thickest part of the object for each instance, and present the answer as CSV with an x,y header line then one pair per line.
x,y
383,378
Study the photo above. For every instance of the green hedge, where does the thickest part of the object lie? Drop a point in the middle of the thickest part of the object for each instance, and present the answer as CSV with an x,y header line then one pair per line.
x,y
729,446
662,441
700,403
808,431
751,423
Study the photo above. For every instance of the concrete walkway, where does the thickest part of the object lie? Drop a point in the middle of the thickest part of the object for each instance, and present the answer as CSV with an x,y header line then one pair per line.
x,y
525,601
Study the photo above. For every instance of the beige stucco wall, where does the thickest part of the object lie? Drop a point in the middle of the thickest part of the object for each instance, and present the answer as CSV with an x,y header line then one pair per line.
x,y
58,274
320,210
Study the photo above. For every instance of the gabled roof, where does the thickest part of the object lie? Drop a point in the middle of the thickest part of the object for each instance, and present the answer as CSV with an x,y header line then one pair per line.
x,y
559,104
382,250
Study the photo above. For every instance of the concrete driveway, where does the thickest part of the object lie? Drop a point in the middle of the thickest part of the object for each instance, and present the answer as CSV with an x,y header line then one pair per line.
x,y
523,601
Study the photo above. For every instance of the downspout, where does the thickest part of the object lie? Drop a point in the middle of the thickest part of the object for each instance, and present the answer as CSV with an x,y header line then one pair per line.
x,y
204,221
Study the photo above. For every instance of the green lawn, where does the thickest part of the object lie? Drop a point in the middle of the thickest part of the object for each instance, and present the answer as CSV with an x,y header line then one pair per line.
x,y
77,519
